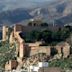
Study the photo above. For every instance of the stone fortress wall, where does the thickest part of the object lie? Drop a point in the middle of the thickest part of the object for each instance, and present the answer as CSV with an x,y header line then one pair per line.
x,y
34,47
61,50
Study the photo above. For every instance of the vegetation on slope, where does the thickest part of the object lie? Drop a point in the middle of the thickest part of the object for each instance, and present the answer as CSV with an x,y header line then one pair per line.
x,y
6,53
62,63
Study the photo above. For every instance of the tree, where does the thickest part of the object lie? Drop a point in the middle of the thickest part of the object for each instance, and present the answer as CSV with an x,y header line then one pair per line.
x,y
34,35
50,37
69,28
30,24
44,24
47,36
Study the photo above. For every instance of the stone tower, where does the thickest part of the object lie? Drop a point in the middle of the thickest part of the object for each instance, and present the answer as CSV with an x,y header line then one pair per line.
x,y
20,50
4,33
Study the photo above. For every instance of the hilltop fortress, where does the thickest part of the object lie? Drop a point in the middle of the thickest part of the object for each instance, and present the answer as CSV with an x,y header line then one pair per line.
x,y
31,50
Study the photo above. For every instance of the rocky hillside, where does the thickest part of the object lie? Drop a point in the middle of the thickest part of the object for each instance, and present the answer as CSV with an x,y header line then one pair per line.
x,y
59,10
14,16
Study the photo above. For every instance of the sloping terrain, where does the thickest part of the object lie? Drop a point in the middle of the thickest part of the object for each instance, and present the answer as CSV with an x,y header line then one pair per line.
x,y
58,10
14,16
